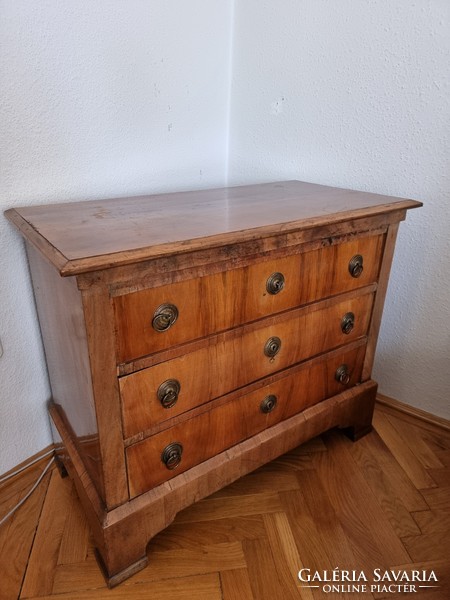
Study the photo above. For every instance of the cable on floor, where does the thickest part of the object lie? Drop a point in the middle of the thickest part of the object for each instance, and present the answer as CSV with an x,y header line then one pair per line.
x,y
25,498
29,464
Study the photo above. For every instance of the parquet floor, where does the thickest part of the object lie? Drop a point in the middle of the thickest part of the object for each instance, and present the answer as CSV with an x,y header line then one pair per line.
x,y
382,503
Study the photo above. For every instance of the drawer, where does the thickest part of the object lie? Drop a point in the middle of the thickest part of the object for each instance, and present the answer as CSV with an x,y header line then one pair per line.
x,y
212,432
198,307
235,359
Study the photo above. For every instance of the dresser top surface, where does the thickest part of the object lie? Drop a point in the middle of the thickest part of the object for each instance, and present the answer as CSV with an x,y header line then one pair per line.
x,y
90,235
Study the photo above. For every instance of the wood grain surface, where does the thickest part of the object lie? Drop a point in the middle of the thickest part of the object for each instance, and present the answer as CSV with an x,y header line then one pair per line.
x,y
205,435
64,334
211,304
86,234
226,364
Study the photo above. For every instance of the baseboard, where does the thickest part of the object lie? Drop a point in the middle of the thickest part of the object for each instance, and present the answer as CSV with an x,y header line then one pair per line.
x,y
411,411
22,470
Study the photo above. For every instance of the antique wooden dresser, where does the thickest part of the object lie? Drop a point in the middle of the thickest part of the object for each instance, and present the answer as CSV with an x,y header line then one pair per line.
x,y
192,337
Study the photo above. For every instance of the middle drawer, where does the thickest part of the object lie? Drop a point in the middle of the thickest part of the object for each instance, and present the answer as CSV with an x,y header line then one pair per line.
x,y
235,359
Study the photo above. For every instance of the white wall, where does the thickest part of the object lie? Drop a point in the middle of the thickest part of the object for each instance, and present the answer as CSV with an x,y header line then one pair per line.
x,y
99,99
356,94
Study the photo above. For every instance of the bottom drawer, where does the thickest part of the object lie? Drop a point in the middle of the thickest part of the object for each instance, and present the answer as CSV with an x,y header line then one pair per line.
x,y
176,449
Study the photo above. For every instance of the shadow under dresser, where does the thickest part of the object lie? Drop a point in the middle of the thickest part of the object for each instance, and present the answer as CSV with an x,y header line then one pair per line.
x,y
192,337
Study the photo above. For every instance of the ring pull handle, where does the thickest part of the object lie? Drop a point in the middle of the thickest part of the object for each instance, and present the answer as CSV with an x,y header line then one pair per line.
x,y
168,393
268,404
342,374
347,323
272,347
164,317
355,266
171,455
275,283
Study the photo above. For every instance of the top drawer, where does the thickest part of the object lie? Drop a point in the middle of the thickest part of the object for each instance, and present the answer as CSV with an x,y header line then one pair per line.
x,y
152,320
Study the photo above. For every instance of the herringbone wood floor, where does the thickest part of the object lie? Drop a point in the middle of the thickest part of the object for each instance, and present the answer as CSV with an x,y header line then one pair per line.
x,y
383,502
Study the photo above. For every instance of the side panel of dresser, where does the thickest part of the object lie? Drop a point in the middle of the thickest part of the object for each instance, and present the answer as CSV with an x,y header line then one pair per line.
x,y
78,338
380,296
63,331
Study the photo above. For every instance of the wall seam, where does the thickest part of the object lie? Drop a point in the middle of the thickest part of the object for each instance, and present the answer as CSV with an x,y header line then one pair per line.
x,y
230,86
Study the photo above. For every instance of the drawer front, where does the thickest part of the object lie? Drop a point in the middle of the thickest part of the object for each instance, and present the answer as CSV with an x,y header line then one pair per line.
x,y
151,396
200,307
212,432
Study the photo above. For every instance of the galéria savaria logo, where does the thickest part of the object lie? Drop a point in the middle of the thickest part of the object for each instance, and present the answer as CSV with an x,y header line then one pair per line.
x,y
380,581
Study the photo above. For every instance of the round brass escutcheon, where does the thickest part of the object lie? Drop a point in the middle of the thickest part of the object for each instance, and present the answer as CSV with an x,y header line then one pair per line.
x,y
347,322
168,392
355,266
275,283
171,455
268,404
342,374
164,317
272,346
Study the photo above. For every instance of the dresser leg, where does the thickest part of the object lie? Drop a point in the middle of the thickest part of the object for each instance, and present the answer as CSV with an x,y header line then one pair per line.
x,y
361,417
60,466
114,579
355,433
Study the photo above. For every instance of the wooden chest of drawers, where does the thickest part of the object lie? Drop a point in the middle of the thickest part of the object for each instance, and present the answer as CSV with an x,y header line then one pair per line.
x,y
192,337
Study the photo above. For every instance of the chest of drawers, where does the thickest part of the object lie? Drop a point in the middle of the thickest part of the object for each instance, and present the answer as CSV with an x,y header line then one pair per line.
x,y
192,337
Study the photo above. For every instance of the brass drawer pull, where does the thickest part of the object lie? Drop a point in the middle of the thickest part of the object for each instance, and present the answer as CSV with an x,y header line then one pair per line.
x,y
171,455
347,322
355,266
272,346
168,392
164,317
342,374
268,404
275,283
